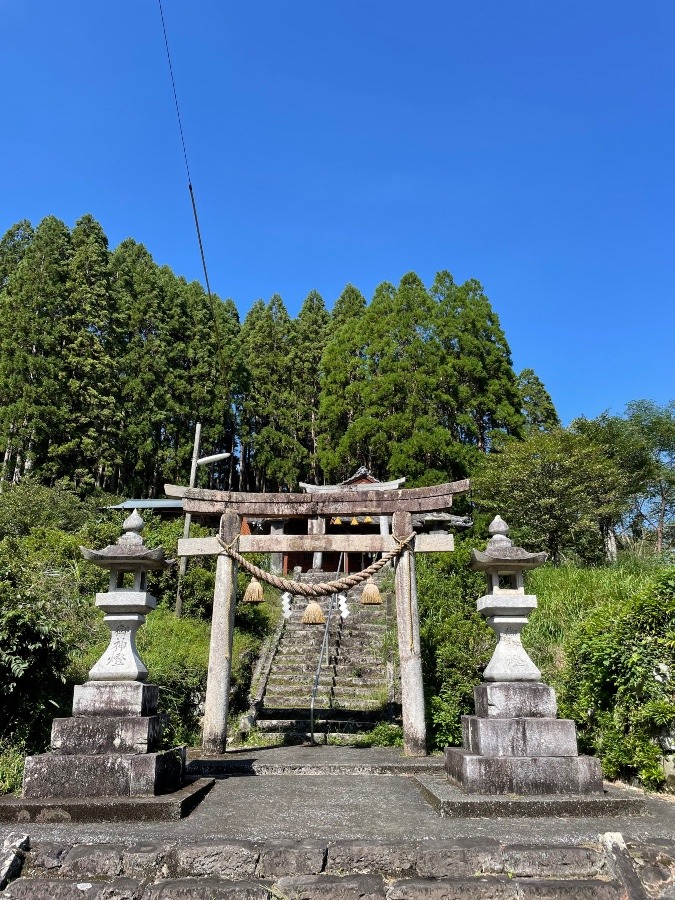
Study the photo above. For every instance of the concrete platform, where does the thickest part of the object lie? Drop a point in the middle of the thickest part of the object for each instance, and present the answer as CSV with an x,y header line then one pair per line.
x,y
451,802
162,808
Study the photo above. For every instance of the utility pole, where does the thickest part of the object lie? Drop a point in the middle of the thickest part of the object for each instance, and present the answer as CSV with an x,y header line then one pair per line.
x,y
196,461
182,567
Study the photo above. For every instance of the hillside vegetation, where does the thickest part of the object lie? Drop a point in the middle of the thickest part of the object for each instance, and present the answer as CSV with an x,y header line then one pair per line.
x,y
107,361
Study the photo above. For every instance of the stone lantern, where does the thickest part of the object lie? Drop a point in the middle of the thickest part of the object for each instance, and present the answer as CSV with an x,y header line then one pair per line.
x,y
127,602
108,748
514,744
506,606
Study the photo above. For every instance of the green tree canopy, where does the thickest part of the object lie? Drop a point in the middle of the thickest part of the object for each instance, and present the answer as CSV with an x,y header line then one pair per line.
x,y
555,489
538,407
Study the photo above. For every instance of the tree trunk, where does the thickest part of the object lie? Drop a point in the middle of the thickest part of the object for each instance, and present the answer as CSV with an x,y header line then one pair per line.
x,y
660,525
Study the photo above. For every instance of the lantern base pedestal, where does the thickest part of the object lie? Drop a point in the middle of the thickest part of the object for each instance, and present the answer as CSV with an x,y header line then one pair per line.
x,y
107,734
516,745
523,775
108,748
512,699
59,775
115,698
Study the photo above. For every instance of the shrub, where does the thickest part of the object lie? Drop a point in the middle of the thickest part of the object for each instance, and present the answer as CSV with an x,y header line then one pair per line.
x,y
456,642
382,735
618,681
45,615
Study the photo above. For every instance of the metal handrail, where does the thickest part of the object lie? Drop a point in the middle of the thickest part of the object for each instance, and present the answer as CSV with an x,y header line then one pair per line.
x,y
324,649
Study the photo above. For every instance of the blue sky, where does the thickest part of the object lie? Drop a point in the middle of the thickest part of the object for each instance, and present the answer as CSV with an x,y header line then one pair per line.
x,y
530,145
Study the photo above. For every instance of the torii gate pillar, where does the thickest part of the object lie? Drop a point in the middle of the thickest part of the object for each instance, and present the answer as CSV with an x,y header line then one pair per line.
x,y
409,651
216,704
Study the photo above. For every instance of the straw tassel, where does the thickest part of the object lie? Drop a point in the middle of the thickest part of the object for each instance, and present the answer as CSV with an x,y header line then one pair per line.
x,y
313,614
253,592
371,594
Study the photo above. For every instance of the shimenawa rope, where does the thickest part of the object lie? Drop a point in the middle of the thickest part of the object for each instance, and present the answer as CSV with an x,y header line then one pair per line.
x,y
323,589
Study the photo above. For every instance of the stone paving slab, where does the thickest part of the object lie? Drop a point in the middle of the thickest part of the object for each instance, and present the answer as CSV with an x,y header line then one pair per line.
x,y
357,807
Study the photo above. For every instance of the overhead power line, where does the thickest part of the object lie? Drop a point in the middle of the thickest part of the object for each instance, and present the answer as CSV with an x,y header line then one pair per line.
x,y
219,346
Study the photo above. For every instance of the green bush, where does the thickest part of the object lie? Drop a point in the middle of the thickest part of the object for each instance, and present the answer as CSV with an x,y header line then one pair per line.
x,y
45,615
456,642
382,735
618,680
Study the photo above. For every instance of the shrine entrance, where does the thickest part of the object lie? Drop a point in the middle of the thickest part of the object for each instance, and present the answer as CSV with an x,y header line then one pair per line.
x,y
419,524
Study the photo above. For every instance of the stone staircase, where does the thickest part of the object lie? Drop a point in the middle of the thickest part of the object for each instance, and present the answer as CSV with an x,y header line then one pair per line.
x,y
460,869
356,686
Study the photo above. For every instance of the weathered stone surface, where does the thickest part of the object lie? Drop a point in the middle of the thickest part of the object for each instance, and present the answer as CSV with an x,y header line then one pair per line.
x,y
226,859
157,773
53,775
93,861
206,889
655,863
61,776
452,802
519,736
523,774
12,856
115,698
47,856
535,861
148,859
569,889
17,840
508,700
55,889
620,865
11,862
487,888
161,808
331,887
106,734
279,858
371,856
459,859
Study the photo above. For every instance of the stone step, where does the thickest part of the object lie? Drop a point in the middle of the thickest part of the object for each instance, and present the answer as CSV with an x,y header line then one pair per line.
x,y
217,868
296,659
291,703
321,887
345,719
295,666
302,726
327,689
363,681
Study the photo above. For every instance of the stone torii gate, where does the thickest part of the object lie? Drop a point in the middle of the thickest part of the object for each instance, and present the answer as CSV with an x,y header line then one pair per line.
x,y
401,505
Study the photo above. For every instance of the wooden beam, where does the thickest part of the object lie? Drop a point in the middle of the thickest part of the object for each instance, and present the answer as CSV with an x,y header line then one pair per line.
x,y
325,507
436,542
428,499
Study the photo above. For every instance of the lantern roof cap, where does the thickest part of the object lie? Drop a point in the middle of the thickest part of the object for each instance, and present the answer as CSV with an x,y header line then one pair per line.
x,y
129,552
500,552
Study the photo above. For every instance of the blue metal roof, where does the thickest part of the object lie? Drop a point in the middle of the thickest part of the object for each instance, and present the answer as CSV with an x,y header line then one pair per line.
x,y
148,504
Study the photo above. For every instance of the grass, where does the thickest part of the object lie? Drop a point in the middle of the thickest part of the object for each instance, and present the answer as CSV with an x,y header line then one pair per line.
x,y
11,767
567,594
